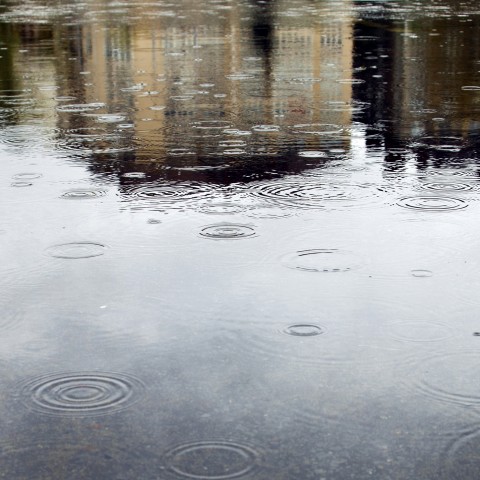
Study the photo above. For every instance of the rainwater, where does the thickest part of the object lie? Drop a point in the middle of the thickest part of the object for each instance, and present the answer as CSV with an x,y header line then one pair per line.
x,y
239,239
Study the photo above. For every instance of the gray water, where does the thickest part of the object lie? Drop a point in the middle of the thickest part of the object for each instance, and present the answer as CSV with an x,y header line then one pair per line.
x,y
239,240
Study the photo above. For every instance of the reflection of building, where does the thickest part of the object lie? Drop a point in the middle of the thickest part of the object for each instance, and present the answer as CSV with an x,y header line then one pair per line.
x,y
241,65
415,73
268,68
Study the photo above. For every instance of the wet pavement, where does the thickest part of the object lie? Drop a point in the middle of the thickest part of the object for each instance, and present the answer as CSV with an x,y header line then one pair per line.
x,y
239,240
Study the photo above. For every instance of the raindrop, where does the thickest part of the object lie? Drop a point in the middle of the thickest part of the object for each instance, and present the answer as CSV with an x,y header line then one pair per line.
x,y
236,132
447,186
65,98
421,273
234,151
303,330
134,175
232,143
27,176
181,98
76,250
216,460
180,152
173,195
317,129
80,107
212,124
302,194
21,184
320,260
81,394
266,128
227,231
110,118
312,154
432,204
83,193
220,208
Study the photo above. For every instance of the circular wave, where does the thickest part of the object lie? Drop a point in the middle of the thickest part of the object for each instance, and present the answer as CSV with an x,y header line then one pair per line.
x,y
169,195
76,250
303,330
27,176
432,204
450,378
227,231
447,186
83,193
81,394
321,260
211,460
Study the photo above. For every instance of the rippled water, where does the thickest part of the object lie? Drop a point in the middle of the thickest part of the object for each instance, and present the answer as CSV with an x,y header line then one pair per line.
x,y
239,240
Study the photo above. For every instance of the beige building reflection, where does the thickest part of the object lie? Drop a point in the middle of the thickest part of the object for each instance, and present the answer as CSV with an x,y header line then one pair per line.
x,y
164,78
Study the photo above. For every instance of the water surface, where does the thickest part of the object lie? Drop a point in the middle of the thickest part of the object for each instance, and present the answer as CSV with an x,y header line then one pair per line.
x,y
239,239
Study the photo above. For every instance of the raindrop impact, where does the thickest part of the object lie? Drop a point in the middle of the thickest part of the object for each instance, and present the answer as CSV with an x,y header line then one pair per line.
x,y
211,460
76,250
227,231
83,193
303,330
320,260
432,204
81,394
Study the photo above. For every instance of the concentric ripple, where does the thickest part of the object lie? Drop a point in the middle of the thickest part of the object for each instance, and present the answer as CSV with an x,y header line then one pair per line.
x,y
27,176
304,330
321,260
227,231
83,193
302,193
432,204
447,186
169,195
76,250
450,378
462,456
81,394
216,460
419,331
